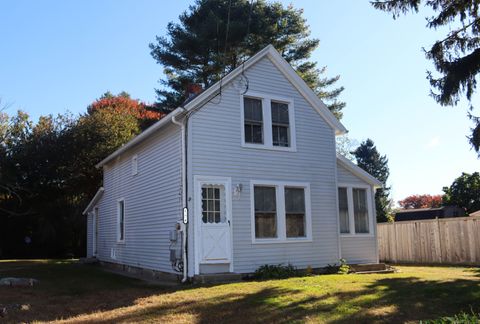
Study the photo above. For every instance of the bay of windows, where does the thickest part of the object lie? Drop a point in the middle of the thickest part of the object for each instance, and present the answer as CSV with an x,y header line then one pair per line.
x,y
354,211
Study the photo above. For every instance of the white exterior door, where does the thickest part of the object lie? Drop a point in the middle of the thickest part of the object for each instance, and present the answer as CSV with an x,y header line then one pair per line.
x,y
213,214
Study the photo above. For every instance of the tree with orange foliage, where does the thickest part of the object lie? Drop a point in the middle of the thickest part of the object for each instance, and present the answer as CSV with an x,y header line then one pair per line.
x,y
124,104
421,201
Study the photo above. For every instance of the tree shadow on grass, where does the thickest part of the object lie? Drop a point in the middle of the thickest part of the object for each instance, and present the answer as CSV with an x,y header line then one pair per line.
x,y
65,289
394,300
388,300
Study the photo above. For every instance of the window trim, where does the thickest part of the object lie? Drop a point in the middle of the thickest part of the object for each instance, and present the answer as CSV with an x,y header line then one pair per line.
x,y
351,216
267,121
119,241
281,214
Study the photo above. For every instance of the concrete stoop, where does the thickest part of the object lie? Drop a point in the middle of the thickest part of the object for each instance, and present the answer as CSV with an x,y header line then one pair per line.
x,y
218,278
371,268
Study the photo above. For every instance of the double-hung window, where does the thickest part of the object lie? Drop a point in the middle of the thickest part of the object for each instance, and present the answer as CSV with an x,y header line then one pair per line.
x,y
281,212
268,122
121,221
354,210
280,124
253,120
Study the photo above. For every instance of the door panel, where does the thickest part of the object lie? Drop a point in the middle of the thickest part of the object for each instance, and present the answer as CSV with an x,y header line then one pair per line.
x,y
214,221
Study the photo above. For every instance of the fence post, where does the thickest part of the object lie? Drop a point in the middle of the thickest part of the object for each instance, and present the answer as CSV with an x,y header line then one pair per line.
x,y
440,240
395,247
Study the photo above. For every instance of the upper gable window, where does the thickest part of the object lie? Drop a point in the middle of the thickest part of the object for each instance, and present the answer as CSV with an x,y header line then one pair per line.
x,y
268,122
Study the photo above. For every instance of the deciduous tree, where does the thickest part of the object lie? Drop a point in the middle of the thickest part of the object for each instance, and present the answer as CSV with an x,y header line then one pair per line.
x,y
421,201
464,192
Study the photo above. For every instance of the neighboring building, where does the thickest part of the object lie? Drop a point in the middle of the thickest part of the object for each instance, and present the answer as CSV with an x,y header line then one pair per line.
x,y
253,160
477,213
429,213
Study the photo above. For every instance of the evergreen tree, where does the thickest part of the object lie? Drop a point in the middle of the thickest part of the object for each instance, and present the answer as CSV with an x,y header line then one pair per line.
x,y
215,36
457,56
370,160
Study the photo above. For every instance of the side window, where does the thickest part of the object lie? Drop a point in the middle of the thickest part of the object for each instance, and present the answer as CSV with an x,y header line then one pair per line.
x,y
353,210
253,120
280,124
265,212
121,221
360,210
343,210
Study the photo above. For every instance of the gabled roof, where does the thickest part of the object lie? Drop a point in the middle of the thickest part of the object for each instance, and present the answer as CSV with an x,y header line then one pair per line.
x,y
359,172
283,66
288,71
94,200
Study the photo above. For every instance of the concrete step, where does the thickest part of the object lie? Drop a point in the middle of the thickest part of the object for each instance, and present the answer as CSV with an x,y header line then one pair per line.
x,y
376,272
368,267
217,278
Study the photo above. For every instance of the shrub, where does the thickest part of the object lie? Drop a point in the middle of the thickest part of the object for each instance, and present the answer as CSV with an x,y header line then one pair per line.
x,y
344,268
278,271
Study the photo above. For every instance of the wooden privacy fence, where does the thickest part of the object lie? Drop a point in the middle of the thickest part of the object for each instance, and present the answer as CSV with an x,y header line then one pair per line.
x,y
449,241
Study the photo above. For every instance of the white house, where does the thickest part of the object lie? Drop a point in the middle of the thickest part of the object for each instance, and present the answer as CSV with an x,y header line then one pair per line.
x,y
244,174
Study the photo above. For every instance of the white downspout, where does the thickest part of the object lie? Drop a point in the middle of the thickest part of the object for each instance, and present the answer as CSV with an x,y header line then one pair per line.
x,y
184,196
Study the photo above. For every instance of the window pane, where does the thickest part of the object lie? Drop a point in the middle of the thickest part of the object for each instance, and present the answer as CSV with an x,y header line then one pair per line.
x,y
295,225
281,135
265,225
252,109
279,113
343,210
294,200
360,210
265,212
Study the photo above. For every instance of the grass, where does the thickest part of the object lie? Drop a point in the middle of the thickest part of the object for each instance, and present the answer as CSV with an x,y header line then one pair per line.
x,y
71,292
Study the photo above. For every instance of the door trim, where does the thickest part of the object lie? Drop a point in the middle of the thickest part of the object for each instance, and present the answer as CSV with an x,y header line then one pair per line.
x,y
199,180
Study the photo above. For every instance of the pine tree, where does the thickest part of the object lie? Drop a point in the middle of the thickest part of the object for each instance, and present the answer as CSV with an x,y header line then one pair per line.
x,y
215,36
370,160
457,56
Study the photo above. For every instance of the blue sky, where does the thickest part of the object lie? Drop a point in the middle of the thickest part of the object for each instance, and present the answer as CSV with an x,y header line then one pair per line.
x,y
61,55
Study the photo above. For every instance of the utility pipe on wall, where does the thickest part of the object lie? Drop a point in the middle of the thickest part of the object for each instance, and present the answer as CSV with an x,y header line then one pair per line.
x,y
184,195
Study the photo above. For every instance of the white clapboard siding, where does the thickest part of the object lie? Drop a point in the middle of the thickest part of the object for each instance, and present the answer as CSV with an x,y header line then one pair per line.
x,y
152,202
215,139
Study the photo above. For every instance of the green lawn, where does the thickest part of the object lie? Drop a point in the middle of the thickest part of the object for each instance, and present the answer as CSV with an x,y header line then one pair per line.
x,y
85,293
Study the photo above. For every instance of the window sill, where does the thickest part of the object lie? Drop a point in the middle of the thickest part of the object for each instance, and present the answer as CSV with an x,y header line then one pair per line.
x,y
269,148
283,241
357,235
